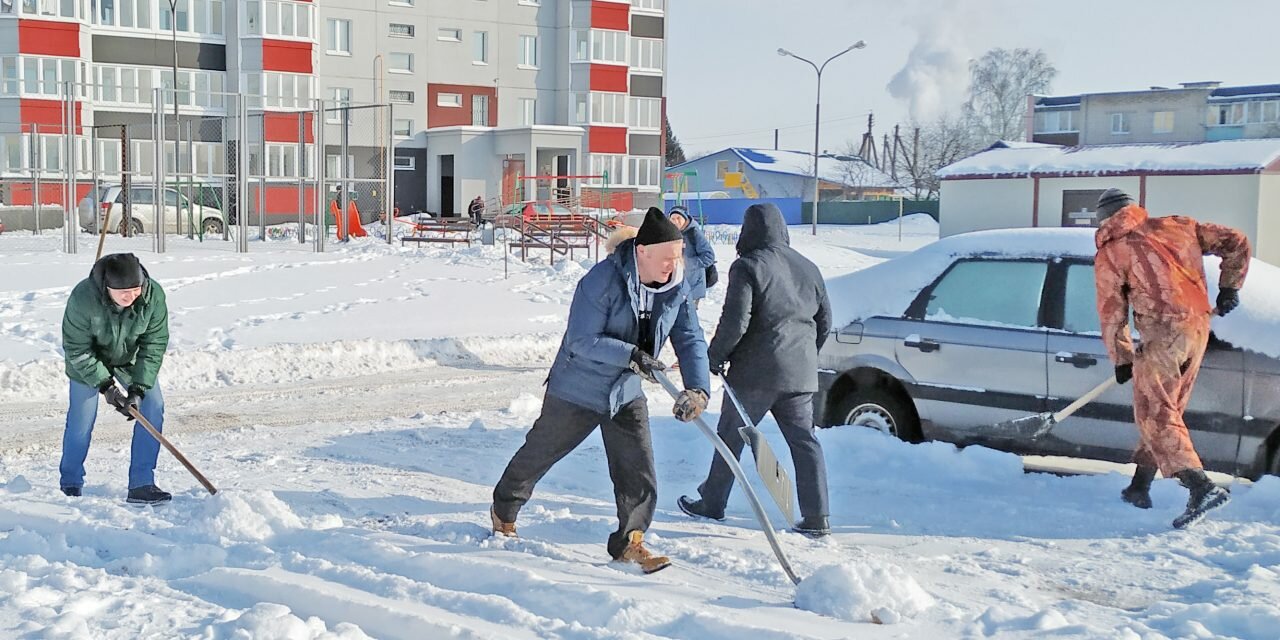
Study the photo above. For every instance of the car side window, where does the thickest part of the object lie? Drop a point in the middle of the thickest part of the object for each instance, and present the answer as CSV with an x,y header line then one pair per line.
x,y
1080,308
170,198
142,196
990,292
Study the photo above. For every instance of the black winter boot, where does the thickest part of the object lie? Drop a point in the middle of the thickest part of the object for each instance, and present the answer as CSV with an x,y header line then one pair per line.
x,y
148,494
1138,493
698,509
813,527
71,492
1205,496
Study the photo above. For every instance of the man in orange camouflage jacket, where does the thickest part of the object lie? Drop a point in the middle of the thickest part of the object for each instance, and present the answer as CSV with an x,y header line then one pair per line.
x,y
1156,267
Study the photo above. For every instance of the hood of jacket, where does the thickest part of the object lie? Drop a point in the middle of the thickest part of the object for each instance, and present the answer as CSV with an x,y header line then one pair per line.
x,y
1119,225
762,227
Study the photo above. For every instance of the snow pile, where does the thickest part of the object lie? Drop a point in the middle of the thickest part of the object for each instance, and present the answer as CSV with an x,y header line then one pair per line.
x,y
250,516
888,288
1255,324
867,590
266,620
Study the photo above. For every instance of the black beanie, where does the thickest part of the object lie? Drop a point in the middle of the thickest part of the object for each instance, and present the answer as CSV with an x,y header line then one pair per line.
x,y
657,229
122,271
1111,201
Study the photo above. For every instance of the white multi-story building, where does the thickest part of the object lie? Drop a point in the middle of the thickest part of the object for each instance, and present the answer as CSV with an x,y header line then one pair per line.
x,y
485,92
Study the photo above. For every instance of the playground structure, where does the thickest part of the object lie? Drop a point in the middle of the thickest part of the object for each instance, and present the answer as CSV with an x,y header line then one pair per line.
x,y
677,183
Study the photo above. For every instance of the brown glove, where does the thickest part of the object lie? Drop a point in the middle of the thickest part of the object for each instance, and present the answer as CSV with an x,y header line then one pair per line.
x,y
689,405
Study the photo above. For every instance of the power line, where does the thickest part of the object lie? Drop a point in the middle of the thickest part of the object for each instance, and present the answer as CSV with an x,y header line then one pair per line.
x,y
768,129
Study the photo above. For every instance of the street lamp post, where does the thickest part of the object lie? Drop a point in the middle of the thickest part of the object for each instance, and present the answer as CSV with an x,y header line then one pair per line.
x,y
817,116
177,157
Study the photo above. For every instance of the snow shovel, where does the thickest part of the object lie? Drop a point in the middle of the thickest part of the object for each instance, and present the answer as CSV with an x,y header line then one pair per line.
x,y
172,449
1035,426
776,480
738,473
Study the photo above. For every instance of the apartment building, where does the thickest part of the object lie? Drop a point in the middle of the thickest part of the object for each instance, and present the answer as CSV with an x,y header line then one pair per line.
x,y
483,92
1191,112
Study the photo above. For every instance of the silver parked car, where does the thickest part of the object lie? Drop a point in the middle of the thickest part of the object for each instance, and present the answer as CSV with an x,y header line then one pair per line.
x,y
110,200
945,342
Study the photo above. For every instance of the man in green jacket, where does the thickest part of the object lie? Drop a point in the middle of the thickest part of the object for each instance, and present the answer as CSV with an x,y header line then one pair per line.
x,y
116,326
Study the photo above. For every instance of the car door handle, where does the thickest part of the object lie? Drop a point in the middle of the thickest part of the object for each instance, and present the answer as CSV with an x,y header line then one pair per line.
x,y
924,344
1078,360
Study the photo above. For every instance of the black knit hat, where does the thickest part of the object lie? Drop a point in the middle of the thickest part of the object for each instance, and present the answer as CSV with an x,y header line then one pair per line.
x,y
1111,201
122,271
657,228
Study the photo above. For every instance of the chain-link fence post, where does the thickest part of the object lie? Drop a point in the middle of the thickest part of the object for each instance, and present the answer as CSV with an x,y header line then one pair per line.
x,y
321,195
389,208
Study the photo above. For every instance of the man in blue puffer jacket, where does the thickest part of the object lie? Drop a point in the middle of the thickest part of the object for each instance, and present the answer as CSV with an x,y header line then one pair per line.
x,y
623,310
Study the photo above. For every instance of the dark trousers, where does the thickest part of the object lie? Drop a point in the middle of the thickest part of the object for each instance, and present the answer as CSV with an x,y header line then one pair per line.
x,y
794,413
559,430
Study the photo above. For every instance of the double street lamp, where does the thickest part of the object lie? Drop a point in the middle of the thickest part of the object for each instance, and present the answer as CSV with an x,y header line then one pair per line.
x,y
817,116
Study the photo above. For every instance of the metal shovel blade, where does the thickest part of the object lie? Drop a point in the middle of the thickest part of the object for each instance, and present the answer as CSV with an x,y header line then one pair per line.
x,y
775,478
1031,427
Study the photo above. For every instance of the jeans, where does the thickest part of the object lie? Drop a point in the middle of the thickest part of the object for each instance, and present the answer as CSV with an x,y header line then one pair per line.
x,y
82,413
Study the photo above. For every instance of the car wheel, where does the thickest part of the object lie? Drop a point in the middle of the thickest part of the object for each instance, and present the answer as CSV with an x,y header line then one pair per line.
x,y
1274,467
880,409
135,228
212,227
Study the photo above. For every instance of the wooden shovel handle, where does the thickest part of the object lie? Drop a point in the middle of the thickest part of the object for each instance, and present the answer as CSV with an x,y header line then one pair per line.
x,y
1085,399
172,449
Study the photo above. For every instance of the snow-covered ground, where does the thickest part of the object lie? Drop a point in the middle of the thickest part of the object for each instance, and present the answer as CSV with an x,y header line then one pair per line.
x,y
356,407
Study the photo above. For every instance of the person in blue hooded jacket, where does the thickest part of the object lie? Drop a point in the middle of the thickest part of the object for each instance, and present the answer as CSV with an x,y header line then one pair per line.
x,y
623,310
699,256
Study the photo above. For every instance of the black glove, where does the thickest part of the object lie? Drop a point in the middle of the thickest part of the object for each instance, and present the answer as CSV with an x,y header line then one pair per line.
x,y
135,398
645,364
1228,299
116,398
1124,373
718,369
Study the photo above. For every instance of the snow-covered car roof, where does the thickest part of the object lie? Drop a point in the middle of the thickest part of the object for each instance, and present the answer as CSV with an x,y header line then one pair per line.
x,y
888,288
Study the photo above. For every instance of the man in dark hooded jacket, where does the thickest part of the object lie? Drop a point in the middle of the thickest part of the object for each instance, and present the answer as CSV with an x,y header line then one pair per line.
x,y
622,312
116,326
776,317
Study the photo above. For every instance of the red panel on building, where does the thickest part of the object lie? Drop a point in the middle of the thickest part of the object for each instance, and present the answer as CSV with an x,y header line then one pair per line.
x,y
47,114
438,116
51,192
283,127
282,199
610,15
608,140
49,38
608,77
286,56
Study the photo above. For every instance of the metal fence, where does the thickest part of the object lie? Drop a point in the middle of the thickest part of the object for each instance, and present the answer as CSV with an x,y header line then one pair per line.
x,y
225,168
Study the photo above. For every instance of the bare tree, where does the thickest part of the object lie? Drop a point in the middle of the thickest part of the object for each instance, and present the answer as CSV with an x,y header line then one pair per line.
x,y
942,142
999,83
856,174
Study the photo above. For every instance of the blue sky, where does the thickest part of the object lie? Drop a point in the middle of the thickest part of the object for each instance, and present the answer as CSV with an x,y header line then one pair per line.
x,y
729,87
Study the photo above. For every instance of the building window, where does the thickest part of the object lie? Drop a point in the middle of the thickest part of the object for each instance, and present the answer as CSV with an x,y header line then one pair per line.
x,y
609,167
1162,122
1254,110
648,5
480,47
480,111
400,3
339,37
646,113
609,46
646,53
399,62
287,90
722,167
405,163
529,51
340,97
1119,123
402,127
280,18
580,46
530,3
449,35
528,111
449,100
643,171
398,30
1229,114
1271,111
579,108
38,76
608,108
400,96
1056,122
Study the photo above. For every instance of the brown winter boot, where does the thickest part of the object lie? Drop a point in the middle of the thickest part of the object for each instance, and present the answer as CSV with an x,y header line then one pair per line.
x,y
635,552
501,528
